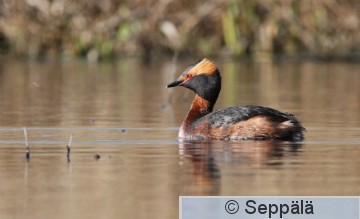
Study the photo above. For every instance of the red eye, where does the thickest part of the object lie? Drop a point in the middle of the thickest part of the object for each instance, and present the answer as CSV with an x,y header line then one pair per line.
x,y
189,76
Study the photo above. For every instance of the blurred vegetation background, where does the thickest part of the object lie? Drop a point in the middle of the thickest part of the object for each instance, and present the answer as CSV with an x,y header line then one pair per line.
x,y
107,28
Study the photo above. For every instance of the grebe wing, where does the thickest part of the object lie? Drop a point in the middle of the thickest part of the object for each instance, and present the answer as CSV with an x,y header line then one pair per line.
x,y
231,115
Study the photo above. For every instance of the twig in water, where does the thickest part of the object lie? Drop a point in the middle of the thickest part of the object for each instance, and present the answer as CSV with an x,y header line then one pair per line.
x,y
27,154
68,146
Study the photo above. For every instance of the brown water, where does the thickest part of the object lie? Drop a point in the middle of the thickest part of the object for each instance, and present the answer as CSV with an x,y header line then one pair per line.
x,y
123,113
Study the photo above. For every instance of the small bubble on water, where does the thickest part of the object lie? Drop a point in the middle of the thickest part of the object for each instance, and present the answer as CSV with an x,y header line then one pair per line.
x,y
162,106
97,156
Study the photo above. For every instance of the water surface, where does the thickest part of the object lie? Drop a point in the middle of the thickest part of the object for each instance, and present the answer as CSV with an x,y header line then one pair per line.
x,y
122,114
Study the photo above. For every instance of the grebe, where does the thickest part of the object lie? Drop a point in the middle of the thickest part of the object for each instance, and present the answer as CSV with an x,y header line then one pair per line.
x,y
233,123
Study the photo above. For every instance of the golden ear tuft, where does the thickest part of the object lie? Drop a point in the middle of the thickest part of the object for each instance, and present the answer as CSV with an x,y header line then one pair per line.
x,y
205,66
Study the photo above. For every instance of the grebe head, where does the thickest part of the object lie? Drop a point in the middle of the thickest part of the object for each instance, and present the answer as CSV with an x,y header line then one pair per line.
x,y
203,78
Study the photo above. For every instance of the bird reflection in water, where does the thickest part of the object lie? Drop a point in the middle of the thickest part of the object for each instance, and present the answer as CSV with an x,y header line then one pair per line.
x,y
204,163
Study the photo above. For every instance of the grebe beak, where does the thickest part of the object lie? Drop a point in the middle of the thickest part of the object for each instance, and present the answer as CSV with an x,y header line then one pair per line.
x,y
174,84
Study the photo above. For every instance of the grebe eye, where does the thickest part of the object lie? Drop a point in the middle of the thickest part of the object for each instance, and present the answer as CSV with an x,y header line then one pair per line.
x,y
189,76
